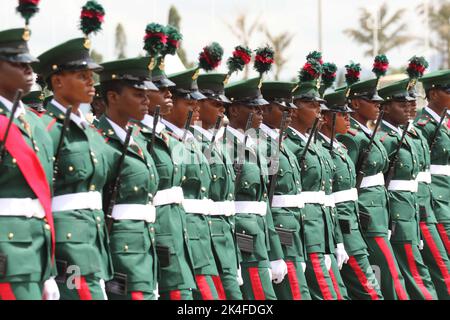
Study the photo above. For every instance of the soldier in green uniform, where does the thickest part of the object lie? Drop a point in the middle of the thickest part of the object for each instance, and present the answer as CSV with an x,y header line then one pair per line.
x,y
402,188
357,273
261,251
26,169
437,89
35,100
221,189
123,85
372,195
98,105
287,202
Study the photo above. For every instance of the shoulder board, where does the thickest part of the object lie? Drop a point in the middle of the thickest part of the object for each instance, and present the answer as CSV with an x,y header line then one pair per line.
x,y
423,121
170,133
102,133
39,114
384,137
352,132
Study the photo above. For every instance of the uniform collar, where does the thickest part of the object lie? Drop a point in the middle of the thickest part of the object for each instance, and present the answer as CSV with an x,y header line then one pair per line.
x,y
392,127
328,140
206,133
433,114
273,133
120,132
363,127
301,135
177,131
148,122
8,104
80,120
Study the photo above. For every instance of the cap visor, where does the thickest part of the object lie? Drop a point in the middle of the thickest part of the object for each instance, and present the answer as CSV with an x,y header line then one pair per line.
x,y
164,83
196,95
20,58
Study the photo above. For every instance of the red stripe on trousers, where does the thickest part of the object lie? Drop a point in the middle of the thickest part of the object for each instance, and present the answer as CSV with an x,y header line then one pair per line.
x,y
444,237
320,277
415,273
293,281
204,288
6,292
137,295
335,285
362,278
255,280
401,292
83,290
219,287
436,254
175,295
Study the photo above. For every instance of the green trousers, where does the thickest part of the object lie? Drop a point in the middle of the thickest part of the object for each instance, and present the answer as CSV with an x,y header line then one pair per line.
x,y
230,285
293,286
206,288
338,282
134,295
20,291
444,232
318,277
87,287
257,283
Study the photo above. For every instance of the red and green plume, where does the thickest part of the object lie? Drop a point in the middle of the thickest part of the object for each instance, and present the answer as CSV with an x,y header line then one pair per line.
x,y
211,56
241,57
315,55
92,17
27,9
312,70
353,73
380,65
416,67
155,39
264,59
328,74
174,38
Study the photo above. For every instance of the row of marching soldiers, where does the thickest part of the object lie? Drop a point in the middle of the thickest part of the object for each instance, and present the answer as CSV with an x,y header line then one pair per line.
x,y
294,198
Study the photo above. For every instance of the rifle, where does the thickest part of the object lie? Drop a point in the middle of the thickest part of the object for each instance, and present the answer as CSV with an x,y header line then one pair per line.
x,y
333,134
433,141
187,125
64,130
308,143
155,123
16,101
395,158
238,166
116,184
274,177
213,139
363,156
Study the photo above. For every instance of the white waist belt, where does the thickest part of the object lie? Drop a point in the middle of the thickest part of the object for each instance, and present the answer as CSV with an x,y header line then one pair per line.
x,y
440,170
288,201
198,206
255,207
346,195
372,181
77,201
224,208
23,207
329,201
134,212
168,196
424,176
314,197
403,185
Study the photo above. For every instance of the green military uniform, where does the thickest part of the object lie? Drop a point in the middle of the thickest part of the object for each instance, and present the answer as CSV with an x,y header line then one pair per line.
x,y
81,236
287,203
357,273
195,184
373,198
35,100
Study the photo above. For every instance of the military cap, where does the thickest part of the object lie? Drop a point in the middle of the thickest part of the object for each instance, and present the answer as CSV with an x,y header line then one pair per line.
x,y
14,46
134,72
307,91
279,92
366,90
159,77
35,97
337,101
71,55
186,84
438,79
212,86
98,94
397,91
246,92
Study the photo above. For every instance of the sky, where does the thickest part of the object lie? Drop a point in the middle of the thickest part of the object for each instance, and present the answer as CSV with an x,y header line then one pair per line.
x,y
204,21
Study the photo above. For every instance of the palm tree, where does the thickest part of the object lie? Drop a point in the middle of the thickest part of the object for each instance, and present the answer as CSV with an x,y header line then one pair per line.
x,y
279,43
174,19
121,41
391,30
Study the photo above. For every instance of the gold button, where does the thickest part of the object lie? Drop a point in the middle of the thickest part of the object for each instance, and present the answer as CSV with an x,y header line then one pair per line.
x,y
125,248
37,149
265,195
69,236
152,229
176,169
95,161
70,168
203,189
10,235
92,187
14,160
398,216
246,183
152,175
183,178
92,154
297,182
150,196
214,176
47,226
135,189
201,171
99,219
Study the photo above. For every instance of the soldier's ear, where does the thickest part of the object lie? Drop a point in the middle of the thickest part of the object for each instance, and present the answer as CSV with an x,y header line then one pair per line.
x,y
112,97
355,104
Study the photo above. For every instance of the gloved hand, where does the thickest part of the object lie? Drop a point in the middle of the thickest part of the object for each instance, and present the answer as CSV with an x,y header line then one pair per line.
x,y
239,276
421,245
328,262
389,234
50,290
103,287
156,292
341,255
303,266
279,270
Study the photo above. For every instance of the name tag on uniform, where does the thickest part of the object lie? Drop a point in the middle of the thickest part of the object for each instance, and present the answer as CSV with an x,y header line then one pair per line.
x,y
286,236
118,285
364,220
3,264
345,226
163,254
245,242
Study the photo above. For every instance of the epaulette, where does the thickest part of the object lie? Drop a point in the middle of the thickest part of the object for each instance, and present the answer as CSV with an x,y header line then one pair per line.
x,y
165,137
423,121
352,132
170,133
384,137
39,114
102,133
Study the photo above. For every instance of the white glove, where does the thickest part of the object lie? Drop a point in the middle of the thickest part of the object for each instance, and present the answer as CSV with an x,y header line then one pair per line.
x,y
303,266
328,262
50,290
239,276
279,270
270,274
341,255
421,245
389,234
103,287
156,292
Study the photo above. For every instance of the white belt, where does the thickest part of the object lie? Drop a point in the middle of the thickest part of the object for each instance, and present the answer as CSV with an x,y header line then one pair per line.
x,y
440,170
372,181
134,212
424,176
288,201
346,195
314,197
198,206
403,185
23,207
255,207
168,196
329,201
224,208
77,201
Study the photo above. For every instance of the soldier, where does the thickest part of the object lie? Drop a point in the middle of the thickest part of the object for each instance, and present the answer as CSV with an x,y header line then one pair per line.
x,y
98,105
35,100
287,202
26,169
372,195
432,125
